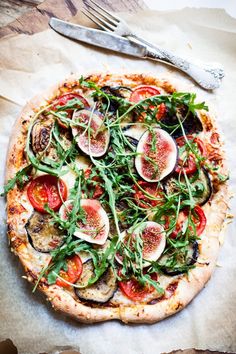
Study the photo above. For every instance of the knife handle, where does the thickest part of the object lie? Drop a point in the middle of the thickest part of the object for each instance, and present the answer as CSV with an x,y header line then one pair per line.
x,y
208,76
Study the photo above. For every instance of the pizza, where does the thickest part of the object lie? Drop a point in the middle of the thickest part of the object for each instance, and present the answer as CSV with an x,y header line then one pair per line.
x,y
116,196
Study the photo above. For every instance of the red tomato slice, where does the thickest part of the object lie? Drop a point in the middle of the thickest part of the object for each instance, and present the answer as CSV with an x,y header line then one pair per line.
x,y
190,165
64,99
97,189
44,190
142,92
134,290
161,111
73,272
151,188
145,91
200,221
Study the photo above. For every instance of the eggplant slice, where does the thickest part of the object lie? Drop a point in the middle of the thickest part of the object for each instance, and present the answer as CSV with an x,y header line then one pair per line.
x,y
180,269
117,91
201,186
99,292
191,124
41,132
43,235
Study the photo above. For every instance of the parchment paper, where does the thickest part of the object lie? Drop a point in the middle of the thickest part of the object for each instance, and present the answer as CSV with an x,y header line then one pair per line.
x,y
29,64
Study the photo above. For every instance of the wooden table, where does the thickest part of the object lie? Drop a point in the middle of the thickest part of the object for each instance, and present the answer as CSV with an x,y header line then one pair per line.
x,y
31,16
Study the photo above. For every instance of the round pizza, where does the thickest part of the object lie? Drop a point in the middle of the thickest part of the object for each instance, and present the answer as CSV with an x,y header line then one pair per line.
x,y
116,196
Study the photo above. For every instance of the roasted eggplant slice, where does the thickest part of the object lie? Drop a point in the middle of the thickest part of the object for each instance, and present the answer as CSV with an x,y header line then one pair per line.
x,y
118,91
101,291
191,123
200,183
43,235
181,268
40,135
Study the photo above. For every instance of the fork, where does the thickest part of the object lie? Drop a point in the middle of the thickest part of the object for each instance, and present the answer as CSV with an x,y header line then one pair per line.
x,y
207,76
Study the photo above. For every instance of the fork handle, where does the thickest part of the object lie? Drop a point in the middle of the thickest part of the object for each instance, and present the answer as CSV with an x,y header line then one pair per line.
x,y
207,76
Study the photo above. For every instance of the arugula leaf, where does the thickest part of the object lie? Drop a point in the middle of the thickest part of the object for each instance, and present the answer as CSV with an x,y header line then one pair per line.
x,y
20,179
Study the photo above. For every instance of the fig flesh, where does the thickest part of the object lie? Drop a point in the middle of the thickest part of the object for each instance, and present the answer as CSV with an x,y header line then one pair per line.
x,y
94,226
156,155
153,239
90,132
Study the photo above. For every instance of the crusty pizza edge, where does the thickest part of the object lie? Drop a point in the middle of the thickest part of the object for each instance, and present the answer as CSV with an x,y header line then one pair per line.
x,y
188,286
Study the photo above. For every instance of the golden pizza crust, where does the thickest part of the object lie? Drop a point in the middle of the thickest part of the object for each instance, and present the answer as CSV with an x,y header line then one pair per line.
x,y
19,210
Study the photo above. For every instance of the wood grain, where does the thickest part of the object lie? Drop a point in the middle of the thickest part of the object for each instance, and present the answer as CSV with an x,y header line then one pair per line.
x,y
36,19
12,9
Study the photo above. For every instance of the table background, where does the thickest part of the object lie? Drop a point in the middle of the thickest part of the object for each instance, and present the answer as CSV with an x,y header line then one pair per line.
x,y
13,9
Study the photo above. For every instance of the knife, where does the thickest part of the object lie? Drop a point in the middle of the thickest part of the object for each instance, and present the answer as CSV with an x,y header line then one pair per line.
x,y
207,77
98,38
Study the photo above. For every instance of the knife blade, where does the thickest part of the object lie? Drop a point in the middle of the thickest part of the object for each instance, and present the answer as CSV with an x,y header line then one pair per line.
x,y
98,38
207,76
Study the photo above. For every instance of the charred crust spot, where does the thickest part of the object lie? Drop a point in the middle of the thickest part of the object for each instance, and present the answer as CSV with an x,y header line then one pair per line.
x,y
171,288
31,274
16,209
207,122
178,306
16,242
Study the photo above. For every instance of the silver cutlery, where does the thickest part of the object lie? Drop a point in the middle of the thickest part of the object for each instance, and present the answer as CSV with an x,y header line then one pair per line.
x,y
207,76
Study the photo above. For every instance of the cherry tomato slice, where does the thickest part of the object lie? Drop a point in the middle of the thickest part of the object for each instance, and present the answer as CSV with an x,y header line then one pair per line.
x,y
161,111
97,190
75,267
64,99
134,290
142,92
200,144
151,188
44,190
145,91
190,165
200,221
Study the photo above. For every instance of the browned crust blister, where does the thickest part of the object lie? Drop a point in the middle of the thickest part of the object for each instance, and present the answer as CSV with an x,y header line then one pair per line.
x,y
18,212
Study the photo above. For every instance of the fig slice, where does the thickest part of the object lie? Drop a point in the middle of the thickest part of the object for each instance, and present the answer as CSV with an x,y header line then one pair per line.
x,y
156,155
154,241
91,134
94,228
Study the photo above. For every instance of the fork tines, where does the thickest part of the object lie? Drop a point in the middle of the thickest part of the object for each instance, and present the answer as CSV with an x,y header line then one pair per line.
x,y
100,16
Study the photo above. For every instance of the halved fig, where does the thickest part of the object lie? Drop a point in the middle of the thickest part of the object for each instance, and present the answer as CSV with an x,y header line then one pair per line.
x,y
101,291
40,135
43,234
94,227
157,155
91,134
154,240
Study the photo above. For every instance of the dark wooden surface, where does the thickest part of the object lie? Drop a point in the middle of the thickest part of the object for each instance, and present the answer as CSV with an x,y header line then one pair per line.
x,y
7,347
36,18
